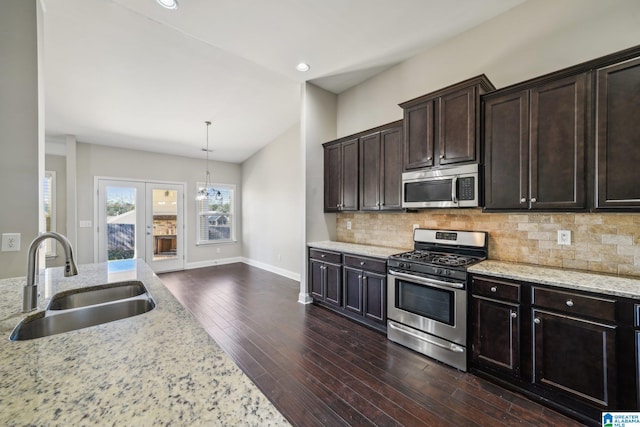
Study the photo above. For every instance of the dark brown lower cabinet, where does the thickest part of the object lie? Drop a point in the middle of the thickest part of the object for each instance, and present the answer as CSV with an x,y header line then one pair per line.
x,y
576,357
364,293
575,351
325,276
352,285
496,335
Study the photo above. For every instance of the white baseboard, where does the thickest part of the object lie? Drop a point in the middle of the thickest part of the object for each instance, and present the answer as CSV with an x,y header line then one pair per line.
x,y
277,270
211,262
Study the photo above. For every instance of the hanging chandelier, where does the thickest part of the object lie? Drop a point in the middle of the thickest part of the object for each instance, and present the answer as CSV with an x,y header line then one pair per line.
x,y
208,191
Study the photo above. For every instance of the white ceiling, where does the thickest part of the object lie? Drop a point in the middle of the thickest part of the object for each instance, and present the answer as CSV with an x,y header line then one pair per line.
x,y
129,73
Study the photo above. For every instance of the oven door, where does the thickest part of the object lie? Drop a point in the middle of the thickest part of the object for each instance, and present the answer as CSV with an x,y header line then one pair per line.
x,y
433,306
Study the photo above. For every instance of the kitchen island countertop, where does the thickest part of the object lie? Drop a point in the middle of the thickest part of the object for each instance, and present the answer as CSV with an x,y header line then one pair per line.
x,y
621,286
158,368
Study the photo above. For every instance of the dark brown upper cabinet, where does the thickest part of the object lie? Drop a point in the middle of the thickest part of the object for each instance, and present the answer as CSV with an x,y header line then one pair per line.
x,y
535,142
381,169
617,136
443,127
341,175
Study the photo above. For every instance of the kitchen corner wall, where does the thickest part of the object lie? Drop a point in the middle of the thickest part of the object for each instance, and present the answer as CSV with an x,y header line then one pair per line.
x,y
608,243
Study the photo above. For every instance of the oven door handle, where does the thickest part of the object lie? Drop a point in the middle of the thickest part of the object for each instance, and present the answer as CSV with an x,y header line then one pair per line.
x,y
451,347
427,282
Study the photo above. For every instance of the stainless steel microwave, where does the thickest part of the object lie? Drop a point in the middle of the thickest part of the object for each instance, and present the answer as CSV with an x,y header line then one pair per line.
x,y
455,187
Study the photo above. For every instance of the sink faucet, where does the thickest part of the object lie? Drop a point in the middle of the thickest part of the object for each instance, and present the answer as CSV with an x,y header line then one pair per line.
x,y
30,301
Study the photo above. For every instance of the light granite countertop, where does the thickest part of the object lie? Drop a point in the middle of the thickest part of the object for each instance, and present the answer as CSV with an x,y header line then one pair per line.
x,y
352,248
626,287
158,368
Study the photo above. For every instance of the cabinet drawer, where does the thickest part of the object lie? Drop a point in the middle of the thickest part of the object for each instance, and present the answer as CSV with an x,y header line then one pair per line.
x,y
327,256
496,289
369,264
599,308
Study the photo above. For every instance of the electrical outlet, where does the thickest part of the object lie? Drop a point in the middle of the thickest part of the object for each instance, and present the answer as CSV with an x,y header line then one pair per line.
x,y
348,225
85,223
564,237
10,242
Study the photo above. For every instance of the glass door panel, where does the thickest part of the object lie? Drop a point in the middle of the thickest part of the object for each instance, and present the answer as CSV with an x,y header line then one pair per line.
x,y
121,220
164,227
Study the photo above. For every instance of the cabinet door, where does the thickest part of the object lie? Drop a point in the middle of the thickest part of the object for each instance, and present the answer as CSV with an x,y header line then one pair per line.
x,y
557,162
506,136
418,136
370,172
333,286
496,335
374,292
457,127
353,290
618,136
391,174
349,175
316,276
575,357
332,178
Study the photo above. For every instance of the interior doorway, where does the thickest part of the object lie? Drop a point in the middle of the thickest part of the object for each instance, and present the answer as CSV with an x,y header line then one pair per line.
x,y
141,219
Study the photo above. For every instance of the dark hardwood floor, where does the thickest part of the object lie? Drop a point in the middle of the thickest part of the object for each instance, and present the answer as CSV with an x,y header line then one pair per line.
x,y
320,369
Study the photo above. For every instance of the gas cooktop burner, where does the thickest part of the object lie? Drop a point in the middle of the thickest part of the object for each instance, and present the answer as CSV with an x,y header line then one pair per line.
x,y
438,258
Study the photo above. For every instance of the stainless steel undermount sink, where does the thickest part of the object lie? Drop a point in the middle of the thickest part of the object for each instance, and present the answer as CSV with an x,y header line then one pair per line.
x,y
85,307
82,297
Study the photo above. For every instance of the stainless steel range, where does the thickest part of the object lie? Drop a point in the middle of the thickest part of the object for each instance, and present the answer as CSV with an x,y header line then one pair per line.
x,y
427,293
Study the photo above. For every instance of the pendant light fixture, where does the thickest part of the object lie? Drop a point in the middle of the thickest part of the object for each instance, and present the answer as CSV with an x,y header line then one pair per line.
x,y
208,191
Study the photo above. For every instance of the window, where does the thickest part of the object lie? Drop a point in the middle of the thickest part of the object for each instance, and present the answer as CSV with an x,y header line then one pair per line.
x,y
49,209
216,222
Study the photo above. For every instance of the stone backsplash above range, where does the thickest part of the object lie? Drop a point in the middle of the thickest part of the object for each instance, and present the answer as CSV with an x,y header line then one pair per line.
x,y
608,243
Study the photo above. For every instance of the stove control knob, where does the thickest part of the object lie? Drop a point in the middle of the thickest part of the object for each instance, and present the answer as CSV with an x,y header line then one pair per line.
x,y
437,271
447,272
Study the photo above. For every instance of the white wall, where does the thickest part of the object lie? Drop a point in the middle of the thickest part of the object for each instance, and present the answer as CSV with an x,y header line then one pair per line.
x,y
318,125
534,38
272,205
98,160
20,158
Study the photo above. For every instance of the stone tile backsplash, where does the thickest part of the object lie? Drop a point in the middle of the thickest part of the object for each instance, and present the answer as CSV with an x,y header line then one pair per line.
x,y
607,243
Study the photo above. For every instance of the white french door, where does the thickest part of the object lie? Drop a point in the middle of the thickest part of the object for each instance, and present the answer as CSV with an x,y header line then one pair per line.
x,y
138,219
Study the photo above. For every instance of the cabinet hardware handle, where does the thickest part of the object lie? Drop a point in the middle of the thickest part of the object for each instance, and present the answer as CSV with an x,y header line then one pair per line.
x,y
533,200
523,200
494,289
429,158
442,156
360,277
361,262
536,321
514,314
569,303
322,256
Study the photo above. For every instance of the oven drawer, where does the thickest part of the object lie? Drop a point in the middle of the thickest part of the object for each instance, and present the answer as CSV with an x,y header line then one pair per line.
x,y
600,308
327,256
496,289
369,264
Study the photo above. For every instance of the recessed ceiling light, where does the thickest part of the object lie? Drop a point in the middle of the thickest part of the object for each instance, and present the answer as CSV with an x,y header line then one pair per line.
x,y
168,4
302,67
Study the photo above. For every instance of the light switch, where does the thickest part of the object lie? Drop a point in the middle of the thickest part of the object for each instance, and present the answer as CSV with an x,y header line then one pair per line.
x,y
10,242
348,225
